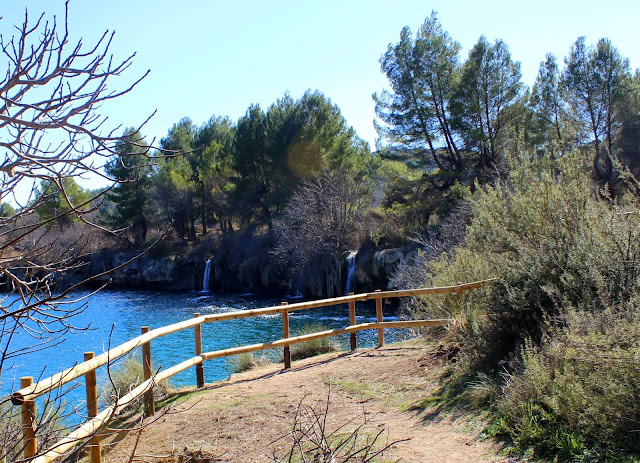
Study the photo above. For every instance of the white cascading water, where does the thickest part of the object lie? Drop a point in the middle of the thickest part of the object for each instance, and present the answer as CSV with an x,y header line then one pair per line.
x,y
207,276
298,287
350,285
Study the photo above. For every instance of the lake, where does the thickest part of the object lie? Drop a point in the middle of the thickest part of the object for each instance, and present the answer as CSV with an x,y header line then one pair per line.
x,y
114,317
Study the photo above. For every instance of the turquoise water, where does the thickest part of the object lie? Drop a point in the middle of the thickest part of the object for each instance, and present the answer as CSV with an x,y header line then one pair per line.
x,y
114,317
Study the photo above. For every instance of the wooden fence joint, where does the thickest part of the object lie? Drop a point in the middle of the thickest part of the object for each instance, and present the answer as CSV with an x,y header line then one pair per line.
x,y
147,368
197,334
285,335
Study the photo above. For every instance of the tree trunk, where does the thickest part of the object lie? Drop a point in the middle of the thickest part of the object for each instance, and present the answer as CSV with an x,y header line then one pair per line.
x,y
204,221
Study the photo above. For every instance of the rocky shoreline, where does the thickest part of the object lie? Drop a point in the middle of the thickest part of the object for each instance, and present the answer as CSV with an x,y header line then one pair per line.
x,y
184,271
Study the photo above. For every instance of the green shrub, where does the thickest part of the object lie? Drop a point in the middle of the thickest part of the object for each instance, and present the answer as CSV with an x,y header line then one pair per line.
x,y
10,432
315,347
579,388
461,265
50,428
125,377
553,243
248,361
562,323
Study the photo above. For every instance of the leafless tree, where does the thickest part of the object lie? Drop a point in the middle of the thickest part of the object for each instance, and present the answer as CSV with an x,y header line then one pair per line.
x,y
51,131
415,272
322,220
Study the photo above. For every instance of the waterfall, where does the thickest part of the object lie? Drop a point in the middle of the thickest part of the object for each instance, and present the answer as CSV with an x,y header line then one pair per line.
x,y
298,286
350,285
207,276
295,285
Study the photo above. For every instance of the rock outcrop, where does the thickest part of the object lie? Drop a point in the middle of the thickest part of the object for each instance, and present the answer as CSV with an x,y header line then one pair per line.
x,y
172,272
374,267
240,270
169,272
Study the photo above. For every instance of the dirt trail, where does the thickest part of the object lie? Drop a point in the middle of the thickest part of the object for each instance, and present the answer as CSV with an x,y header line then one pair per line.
x,y
245,418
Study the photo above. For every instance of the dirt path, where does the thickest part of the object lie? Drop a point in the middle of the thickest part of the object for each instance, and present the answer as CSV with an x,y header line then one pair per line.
x,y
249,418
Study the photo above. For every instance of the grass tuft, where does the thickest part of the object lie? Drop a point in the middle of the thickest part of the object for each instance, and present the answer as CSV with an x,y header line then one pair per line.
x,y
248,361
315,347
125,377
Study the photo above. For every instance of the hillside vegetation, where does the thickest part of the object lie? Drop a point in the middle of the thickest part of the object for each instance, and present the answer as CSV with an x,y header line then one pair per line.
x,y
279,196
475,174
552,349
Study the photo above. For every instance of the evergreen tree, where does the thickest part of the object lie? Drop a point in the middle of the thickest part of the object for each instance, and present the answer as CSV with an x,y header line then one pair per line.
x,y
595,78
130,195
215,170
176,183
423,74
489,85
6,210
56,197
257,174
292,141
553,124
628,144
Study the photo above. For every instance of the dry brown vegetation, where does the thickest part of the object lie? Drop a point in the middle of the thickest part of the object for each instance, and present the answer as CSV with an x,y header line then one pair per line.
x,y
251,416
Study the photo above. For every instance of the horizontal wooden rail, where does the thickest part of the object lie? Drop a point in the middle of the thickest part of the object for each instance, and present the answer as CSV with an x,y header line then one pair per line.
x,y
89,428
322,334
30,392
46,385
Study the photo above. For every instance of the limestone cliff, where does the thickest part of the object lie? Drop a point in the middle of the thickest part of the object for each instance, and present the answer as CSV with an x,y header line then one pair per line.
x,y
241,272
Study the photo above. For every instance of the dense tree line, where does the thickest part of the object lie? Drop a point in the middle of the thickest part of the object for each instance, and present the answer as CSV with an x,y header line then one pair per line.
x,y
446,125
459,121
233,174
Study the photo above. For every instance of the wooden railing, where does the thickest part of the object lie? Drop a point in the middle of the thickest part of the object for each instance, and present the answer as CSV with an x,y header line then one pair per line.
x,y
25,397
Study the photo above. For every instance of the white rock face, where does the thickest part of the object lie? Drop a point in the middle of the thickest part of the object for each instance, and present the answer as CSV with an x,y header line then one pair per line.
x,y
170,272
387,260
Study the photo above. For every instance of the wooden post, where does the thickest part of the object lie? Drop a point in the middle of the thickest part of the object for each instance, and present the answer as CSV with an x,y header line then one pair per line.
x,y
28,421
285,335
197,334
352,321
147,368
379,319
92,408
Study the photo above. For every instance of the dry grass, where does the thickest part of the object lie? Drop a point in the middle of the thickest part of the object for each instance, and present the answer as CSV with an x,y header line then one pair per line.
x,y
245,418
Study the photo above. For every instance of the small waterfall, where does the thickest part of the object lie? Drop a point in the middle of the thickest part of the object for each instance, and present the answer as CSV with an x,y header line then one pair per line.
x,y
207,276
298,286
295,286
350,285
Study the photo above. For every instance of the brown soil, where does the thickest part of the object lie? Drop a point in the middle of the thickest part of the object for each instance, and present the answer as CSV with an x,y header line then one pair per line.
x,y
250,417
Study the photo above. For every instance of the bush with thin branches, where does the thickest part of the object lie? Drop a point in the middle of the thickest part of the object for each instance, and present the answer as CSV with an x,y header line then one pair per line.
x,y
561,324
313,439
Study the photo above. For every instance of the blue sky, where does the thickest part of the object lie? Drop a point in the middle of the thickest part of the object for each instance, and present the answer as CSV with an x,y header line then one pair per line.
x,y
216,58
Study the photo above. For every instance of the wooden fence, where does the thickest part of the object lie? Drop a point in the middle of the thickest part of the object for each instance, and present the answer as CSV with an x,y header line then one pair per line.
x,y
25,397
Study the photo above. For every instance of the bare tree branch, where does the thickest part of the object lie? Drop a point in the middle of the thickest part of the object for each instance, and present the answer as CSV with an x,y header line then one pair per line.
x,y
52,132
